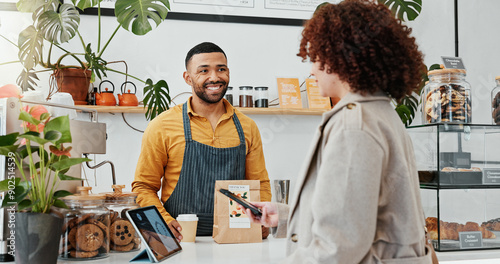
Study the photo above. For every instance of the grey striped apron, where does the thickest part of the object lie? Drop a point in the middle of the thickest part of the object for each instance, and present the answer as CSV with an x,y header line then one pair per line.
x,y
201,167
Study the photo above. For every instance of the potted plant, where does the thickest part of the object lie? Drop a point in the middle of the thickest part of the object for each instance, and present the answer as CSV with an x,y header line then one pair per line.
x,y
56,22
40,154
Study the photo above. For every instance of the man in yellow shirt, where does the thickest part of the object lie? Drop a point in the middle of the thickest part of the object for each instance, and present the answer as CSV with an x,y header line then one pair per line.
x,y
187,148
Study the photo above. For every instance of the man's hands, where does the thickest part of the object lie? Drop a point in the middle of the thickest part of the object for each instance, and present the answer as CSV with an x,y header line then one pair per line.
x,y
176,229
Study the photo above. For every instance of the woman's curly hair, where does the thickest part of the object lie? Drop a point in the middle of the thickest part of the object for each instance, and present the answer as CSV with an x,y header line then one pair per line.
x,y
365,45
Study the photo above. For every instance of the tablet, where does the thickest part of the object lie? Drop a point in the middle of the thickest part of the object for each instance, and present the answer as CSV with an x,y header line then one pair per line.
x,y
255,210
154,232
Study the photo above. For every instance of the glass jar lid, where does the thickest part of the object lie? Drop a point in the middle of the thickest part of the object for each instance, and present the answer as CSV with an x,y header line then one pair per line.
x,y
246,87
230,88
446,71
261,88
118,194
84,195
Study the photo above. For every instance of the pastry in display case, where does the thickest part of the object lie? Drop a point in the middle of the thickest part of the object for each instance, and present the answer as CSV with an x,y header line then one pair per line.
x,y
459,171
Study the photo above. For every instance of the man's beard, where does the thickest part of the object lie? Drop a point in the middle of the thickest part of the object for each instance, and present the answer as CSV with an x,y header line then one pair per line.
x,y
201,92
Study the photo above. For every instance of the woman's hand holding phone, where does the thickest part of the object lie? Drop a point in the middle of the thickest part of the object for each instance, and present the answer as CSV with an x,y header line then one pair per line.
x,y
269,216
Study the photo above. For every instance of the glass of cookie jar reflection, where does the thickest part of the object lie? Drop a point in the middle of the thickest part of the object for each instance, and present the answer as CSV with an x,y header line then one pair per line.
x,y
446,98
123,237
85,234
495,102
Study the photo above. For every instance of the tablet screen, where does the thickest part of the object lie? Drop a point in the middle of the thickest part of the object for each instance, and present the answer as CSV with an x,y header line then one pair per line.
x,y
154,231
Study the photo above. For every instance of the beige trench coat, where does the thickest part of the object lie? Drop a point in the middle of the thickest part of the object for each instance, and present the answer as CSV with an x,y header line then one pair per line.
x,y
357,197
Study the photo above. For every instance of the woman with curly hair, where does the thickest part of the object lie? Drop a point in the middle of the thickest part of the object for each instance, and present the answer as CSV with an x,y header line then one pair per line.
x,y
358,197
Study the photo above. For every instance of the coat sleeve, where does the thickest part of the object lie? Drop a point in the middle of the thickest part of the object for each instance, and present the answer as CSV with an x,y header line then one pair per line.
x,y
344,201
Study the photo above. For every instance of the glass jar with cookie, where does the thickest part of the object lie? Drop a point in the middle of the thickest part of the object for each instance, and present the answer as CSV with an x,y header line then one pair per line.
x,y
85,234
495,102
446,98
123,237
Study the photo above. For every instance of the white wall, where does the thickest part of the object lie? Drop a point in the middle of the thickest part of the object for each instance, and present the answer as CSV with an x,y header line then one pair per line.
x,y
257,54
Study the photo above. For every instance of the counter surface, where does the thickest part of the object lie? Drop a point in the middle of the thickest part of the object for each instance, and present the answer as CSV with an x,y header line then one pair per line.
x,y
271,250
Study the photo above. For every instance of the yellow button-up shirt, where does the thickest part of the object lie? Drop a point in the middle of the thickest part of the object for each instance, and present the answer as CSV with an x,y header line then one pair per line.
x,y
163,145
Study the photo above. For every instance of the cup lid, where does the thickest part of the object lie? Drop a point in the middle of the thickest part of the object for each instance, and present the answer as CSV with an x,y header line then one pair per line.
x,y
187,217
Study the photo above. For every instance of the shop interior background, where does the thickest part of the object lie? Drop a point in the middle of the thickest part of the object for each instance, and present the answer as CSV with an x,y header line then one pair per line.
x,y
257,55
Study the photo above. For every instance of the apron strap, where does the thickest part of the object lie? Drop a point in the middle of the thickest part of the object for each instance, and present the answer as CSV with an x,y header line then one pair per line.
x,y
187,124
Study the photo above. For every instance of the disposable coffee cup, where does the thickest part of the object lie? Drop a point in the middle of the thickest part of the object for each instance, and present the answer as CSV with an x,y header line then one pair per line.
x,y
189,223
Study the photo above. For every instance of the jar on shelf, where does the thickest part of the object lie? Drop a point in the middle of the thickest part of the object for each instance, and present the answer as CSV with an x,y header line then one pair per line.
x,y
229,95
123,237
85,233
495,102
246,96
447,97
261,97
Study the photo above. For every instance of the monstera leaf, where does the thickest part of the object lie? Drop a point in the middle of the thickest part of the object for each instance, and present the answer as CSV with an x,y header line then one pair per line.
x,y
27,80
134,15
411,8
29,5
58,27
30,47
83,4
156,98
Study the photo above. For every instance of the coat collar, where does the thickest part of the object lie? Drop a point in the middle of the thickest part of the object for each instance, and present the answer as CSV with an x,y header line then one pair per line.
x,y
353,98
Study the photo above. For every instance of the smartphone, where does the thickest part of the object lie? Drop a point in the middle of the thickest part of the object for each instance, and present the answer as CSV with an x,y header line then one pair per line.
x,y
256,211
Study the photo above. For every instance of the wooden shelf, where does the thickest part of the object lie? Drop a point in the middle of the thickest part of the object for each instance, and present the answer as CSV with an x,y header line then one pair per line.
x,y
247,111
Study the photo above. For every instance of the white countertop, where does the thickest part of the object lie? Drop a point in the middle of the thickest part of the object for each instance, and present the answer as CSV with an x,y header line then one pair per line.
x,y
271,250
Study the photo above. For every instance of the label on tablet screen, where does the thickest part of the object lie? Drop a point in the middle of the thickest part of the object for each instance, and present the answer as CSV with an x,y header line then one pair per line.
x,y
237,216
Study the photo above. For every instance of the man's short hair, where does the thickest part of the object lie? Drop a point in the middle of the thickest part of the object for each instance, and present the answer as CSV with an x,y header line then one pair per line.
x,y
205,47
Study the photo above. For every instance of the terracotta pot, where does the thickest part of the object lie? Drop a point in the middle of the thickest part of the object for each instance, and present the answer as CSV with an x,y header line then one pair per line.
x,y
75,82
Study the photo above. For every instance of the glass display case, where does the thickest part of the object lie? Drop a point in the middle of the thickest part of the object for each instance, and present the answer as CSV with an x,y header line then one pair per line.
x,y
459,173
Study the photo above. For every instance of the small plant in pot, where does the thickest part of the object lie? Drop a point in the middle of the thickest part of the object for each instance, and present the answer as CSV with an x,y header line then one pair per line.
x,y
56,22
40,156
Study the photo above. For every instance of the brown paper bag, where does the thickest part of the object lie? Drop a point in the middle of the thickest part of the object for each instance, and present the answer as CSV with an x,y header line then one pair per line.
x,y
231,225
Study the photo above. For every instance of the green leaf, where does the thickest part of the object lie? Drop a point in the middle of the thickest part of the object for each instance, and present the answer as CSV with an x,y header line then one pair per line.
x,y
35,138
60,124
8,140
4,185
27,80
135,15
67,163
156,98
64,177
399,8
30,45
237,215
29,5
25,204
61,26
52,135
61,193
83,4
59,203
4,151
25,116
18,195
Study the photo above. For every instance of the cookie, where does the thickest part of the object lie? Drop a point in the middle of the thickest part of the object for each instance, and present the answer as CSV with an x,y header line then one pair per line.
x,y
122,232
89,237
76,221
104,218
72,236
125,248
103,227
83,254
113,215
